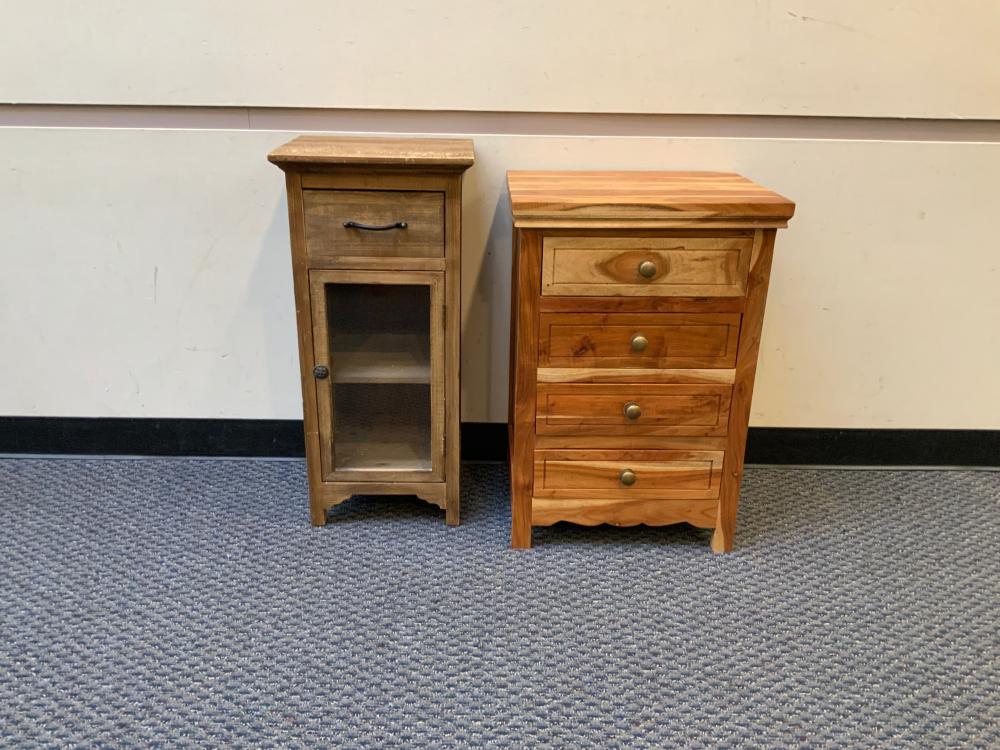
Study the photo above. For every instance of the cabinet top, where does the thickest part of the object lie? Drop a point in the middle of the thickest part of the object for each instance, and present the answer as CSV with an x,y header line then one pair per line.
x,y
311,151
643,199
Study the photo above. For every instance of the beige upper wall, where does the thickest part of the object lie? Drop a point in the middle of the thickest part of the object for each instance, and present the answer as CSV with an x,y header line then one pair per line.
x,y
923,58
146,273
152,265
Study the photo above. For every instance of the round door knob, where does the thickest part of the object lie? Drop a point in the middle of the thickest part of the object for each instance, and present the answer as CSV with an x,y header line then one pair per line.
x,y
627,477
639,342
321,371
647,269
632,410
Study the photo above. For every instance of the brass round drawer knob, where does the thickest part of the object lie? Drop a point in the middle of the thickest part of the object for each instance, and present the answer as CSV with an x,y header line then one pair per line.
x,y
321,371
639,342
647,269
632,410
627,477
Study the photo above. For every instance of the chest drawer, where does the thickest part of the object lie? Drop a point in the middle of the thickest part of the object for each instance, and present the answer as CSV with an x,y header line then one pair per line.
x,y
646,409
649,340
392,223
646,266
659,474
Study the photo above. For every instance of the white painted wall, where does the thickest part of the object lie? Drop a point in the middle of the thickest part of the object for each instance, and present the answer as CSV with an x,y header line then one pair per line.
x,y
146,273
918,58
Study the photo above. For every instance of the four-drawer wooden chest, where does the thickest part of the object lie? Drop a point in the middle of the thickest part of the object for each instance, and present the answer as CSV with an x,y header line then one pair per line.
x,y
637,303
376,227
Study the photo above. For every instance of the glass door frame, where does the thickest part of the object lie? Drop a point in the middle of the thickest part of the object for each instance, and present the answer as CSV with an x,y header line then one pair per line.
x,y
318,282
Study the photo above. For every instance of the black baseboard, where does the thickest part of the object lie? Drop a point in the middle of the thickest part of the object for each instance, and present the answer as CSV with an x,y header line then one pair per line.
x,y
126,436
795,445
282,438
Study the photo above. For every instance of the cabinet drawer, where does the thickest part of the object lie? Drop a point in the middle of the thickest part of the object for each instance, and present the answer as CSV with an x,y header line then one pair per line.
x,y
326,212
629,340
646,266
650,474
633,409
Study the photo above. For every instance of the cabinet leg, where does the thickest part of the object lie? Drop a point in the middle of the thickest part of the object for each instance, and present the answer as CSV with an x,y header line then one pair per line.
x,y
451,516
520,527
521,539
317,514
521,487
725,517
722,539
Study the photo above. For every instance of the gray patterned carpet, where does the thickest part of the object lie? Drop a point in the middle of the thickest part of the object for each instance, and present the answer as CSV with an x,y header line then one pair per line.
x,y
174,603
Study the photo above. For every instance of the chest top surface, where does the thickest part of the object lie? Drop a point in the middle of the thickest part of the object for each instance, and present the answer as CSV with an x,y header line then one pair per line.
x,y
608,199
318,151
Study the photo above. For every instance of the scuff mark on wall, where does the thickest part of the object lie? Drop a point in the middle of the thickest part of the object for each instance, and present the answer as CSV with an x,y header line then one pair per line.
x,y
814,19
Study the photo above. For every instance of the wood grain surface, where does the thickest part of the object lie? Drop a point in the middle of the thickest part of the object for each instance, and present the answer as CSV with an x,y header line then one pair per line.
x,y
303,324
524,360
333,150
333,179
609,340
637,306
666,409
611,266
746,370
697,198
326,212
635,376
546,511
452,332
659,474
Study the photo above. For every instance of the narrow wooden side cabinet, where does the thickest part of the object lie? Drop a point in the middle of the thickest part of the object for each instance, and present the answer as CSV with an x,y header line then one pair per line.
x,y
637,303
376,246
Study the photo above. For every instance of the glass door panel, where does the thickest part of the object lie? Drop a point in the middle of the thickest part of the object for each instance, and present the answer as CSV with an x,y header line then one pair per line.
x,y
379,335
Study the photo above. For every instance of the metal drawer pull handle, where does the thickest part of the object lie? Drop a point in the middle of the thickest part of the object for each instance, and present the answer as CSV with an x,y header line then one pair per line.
x,y
374,227
639,342
632,410
321,371
647,269
627,477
